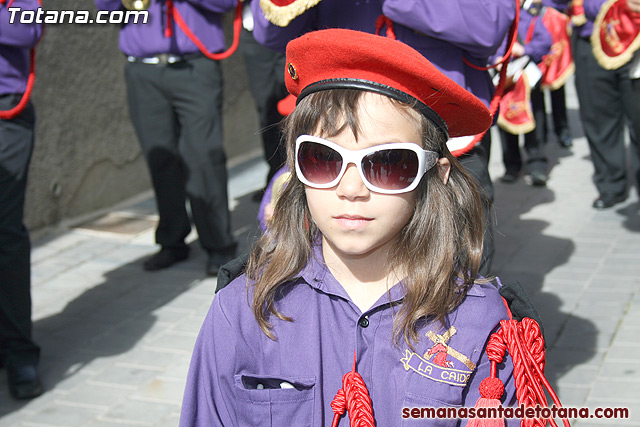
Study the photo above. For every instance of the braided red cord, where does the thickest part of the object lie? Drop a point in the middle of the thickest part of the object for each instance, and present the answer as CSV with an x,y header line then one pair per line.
x,y
524,342
354,397
237,28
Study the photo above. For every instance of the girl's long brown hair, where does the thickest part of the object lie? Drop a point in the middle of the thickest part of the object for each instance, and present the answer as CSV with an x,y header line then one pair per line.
x,y
439,248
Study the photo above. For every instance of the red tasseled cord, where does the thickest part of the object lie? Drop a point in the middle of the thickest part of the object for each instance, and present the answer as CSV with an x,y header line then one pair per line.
x,y
497,96
354,397
15,111
168,10
381,22
237,29
524,342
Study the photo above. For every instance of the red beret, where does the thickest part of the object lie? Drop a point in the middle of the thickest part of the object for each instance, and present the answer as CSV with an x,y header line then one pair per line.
x,y
338,58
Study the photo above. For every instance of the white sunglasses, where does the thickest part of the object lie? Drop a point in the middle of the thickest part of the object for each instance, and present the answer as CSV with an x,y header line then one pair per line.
x,y
387,168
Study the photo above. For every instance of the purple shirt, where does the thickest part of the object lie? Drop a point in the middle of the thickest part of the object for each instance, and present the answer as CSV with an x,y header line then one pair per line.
x,y
202,16
560,5
443,31
540,42
349,14
591,9
312,353
15,42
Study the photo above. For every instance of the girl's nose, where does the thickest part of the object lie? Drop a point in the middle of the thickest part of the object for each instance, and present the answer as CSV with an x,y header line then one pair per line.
x,y
351,185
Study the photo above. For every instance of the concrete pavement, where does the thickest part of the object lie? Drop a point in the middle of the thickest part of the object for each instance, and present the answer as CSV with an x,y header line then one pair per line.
x,y
116,341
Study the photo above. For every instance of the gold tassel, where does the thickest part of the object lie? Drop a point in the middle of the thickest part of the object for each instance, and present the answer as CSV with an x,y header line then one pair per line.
x,y
283,15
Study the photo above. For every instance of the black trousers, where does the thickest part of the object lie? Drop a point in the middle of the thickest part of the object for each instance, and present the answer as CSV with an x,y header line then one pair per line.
x,y
476,163
265,68
16,147
534,141
176,110
609,100
559,111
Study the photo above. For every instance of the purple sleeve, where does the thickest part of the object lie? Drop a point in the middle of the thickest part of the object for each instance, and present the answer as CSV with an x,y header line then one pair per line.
x,y
477,26
109,4
209,394
560,5
592,7
17,34
540,43
217,6
275,37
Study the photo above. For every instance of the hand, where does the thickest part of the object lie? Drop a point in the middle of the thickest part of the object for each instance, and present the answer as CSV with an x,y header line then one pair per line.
x,y
634,5
518,49
268,213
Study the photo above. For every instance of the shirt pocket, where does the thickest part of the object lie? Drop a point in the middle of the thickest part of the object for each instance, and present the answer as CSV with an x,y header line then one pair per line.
x,y
274,401
425,405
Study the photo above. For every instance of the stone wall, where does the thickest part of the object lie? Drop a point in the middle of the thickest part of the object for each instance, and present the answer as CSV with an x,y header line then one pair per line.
x,y
87,157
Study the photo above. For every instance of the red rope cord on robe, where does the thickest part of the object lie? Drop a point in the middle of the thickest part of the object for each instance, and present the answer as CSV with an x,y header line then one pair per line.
x,y
497,96
19,108
237,29
524,342
354,397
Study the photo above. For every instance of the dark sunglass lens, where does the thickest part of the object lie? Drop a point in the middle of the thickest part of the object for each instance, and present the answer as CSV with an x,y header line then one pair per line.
x,y
318,163
393,169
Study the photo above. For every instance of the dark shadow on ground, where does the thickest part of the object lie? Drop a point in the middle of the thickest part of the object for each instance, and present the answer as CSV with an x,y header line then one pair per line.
x,y
524,253
113,316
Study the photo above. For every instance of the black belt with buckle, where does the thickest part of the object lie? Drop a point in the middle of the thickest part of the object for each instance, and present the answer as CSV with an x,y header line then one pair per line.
x,y
164,58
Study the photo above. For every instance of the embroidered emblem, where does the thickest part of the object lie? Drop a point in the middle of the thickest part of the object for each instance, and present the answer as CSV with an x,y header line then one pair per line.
x,y
440,368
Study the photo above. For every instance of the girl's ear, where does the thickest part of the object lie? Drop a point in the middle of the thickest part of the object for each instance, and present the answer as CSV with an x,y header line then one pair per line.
x,y
444,167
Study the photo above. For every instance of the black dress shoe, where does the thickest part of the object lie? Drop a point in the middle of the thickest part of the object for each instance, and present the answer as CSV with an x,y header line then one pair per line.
x,y
538,178
166,258
606,201
509,177
218,259
564,138
24,382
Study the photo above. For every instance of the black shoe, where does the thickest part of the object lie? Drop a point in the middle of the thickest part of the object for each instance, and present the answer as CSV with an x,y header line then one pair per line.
x,y
605,201
24,382
509,178
218,259
538,179
166,258
564,138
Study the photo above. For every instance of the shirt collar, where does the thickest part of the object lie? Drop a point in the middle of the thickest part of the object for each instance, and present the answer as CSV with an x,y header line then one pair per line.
x,y
317,275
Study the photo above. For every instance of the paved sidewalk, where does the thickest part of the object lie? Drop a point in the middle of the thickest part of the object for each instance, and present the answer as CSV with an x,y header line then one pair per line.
x,y
116,341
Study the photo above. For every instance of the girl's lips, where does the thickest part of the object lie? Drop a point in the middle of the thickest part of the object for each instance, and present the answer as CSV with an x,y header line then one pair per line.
x,y
352,221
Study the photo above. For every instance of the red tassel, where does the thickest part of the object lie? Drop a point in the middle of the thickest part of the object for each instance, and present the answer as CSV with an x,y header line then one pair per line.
x,y
491,390
525,344
354,397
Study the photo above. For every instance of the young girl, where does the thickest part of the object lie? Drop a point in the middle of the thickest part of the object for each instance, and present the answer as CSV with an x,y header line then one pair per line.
x,y
369,266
